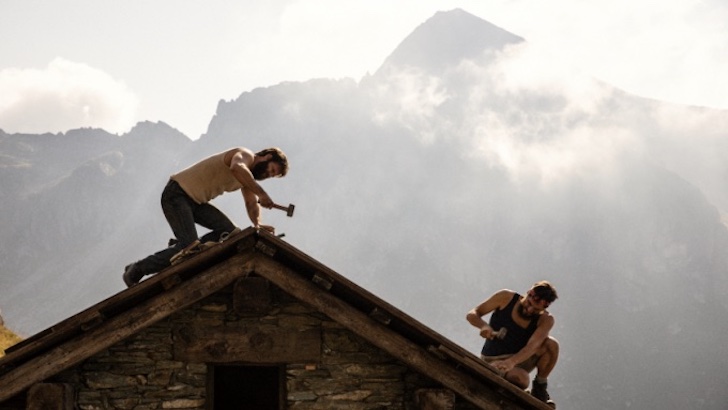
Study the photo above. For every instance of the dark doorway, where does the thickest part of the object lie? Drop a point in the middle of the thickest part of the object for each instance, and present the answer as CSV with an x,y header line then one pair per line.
x,y
247,387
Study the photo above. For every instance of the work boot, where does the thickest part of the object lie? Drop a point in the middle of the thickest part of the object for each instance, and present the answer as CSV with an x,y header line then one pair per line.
x,y
538,390
225,235
132,275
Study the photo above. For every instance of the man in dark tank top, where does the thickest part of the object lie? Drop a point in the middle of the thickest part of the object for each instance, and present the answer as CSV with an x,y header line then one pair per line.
x,y
517,337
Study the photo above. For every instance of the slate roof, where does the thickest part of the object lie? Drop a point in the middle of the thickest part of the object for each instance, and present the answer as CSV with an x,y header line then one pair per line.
x,y
75,339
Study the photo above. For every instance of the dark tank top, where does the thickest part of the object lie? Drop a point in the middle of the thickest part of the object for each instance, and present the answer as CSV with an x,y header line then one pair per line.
x,y
516,336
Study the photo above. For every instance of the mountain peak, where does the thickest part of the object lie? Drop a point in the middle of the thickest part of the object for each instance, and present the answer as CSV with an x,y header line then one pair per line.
x,y
447,38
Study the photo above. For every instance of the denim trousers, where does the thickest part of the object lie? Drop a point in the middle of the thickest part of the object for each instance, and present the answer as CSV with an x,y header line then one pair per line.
x,y
182,213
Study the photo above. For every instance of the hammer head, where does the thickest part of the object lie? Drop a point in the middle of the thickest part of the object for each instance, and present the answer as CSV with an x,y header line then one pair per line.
x,y
501,333
289,209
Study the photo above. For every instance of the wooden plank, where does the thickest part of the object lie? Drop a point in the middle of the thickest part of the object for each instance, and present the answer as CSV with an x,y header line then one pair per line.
x,y
206,344
170,282
380,316
322,282
96,319
117,328
381,336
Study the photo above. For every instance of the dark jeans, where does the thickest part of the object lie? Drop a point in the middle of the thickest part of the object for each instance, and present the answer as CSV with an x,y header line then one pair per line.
x,y
182,214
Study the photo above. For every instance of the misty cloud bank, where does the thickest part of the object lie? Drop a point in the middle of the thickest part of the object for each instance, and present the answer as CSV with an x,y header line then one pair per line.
x,y
433,183
62,96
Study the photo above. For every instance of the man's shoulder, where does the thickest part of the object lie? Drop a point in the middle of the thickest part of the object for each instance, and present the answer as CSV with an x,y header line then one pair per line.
x,y
546,318
505,293
235,150
503,297
245,154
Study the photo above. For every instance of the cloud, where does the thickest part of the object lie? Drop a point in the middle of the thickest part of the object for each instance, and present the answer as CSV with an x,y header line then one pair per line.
x,y
410,98
575,153
541,123
63,96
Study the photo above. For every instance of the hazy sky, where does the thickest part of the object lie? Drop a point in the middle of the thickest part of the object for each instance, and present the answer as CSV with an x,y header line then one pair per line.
x,y
78,63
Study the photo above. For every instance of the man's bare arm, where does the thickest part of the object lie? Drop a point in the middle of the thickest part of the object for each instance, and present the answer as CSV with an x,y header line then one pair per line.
x,y
240,161
252,207
475,317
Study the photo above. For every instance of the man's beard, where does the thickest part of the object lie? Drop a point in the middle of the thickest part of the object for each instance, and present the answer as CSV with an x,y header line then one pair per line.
x,y
260,170
523,314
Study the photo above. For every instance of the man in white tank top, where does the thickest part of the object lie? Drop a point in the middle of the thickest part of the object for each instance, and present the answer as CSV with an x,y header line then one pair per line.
x,y
186,201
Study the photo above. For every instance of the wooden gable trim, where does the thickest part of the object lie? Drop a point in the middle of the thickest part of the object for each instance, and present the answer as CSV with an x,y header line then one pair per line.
x,y
376,333
118,328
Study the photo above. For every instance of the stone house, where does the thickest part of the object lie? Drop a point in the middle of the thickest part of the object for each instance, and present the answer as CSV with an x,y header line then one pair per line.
x,y
251,323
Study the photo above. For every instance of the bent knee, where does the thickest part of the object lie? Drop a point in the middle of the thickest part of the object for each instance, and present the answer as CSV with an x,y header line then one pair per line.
x,y
552,344
519,377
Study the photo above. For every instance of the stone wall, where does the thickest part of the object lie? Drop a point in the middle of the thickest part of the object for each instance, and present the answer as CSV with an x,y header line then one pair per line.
x,y
143,372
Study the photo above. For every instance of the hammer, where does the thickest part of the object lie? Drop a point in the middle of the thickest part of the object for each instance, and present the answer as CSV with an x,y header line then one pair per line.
x,y
500,334
289,209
